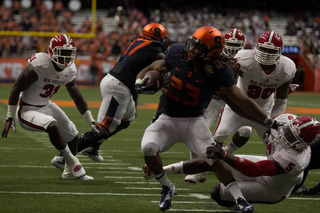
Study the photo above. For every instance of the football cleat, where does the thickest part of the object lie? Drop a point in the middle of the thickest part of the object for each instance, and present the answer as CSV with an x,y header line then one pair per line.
x,y
75,168
58,161
194,178
71,177
244,205
147,174
166,197
93,153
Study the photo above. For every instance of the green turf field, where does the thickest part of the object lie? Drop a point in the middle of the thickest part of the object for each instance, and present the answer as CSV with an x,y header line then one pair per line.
x,y
28,182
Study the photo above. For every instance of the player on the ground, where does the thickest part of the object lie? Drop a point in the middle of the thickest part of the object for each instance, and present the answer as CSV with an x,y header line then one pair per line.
x,y
37,83
271,179
198,71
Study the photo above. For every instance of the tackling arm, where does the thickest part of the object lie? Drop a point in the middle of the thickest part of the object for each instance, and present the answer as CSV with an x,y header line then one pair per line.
x,y
243,165
243,106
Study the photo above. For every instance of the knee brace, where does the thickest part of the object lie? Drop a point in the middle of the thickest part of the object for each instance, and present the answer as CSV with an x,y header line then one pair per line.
x,y
245,131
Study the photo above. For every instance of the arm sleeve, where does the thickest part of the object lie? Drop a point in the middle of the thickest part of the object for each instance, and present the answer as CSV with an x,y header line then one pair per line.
x,y
251,169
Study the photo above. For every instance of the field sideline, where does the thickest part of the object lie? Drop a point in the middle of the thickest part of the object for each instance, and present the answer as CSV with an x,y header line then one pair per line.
x,y
28,182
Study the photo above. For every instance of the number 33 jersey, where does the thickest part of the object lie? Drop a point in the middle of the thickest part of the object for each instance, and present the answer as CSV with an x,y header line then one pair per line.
x,y
49,80
258,85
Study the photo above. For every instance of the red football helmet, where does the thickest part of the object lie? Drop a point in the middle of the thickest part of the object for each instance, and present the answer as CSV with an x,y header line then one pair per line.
x,y
234,41
269,48
300,132
156,32
206,43
62,51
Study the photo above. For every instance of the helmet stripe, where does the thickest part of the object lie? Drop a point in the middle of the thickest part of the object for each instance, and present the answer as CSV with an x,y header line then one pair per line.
x,y
66,38
271,36
234,33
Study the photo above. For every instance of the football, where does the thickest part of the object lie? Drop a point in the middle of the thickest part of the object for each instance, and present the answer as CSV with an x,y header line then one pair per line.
x,y
155,80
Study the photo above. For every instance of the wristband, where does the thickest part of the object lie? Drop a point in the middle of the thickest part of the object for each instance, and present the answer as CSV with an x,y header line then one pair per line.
x,y
88,116
11,111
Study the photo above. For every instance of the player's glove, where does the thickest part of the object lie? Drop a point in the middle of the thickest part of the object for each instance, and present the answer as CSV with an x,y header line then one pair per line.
x,y
99,130
141,88
273,123
293,87
9,124
302,191
215,151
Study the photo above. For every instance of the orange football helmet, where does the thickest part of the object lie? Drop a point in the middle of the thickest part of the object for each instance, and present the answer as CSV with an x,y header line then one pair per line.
x,y
156,32
206,43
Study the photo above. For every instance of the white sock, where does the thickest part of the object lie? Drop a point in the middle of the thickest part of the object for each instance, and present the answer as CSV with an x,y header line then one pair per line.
x,y
234,190
175,168
163,179
66,153
230,148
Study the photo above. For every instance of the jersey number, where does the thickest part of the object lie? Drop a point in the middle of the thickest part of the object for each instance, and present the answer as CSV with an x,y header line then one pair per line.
x,y
255,92
193,92
50,90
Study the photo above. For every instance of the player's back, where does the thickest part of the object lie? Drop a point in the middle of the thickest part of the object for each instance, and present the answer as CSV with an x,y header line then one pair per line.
x,y
140,53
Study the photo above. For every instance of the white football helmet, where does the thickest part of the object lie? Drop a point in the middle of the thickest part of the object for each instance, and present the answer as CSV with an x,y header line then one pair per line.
x,y
269,48
300,132
62,51
234,41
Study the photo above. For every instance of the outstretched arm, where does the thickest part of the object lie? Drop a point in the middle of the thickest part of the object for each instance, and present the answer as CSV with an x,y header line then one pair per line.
x,y
245,166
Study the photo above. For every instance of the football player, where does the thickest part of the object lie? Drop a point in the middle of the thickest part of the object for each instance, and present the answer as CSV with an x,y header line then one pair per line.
x,y
234,41
37,83
271,179
263,72
197,71
119,96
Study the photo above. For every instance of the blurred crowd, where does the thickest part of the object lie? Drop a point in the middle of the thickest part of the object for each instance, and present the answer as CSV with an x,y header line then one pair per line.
x,y
179,26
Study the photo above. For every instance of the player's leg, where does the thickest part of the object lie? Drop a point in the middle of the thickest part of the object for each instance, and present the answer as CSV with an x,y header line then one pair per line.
x,y
156,139
239,138
41,119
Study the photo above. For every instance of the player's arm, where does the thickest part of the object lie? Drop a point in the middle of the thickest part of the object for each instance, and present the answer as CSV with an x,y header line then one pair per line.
x,y
244,106
79,101
159,65
245,166
280,102
25,79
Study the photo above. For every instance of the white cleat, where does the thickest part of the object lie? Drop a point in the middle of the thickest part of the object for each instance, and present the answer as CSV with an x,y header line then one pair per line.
x,y
58,161
71,177
93,154
75,168
194,178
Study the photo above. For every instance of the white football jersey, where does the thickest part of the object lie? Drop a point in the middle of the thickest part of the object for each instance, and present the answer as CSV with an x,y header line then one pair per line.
x,y
293,162
49,80
256,84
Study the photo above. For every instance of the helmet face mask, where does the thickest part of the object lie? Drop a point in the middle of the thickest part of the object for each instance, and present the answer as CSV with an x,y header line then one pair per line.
x,y
234,41
269,48
195,49
62,51
300,133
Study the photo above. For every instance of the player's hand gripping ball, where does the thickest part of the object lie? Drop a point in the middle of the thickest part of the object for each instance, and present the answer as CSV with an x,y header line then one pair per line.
x,y
151,83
